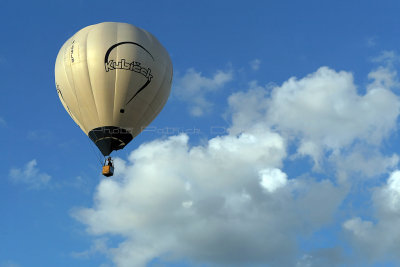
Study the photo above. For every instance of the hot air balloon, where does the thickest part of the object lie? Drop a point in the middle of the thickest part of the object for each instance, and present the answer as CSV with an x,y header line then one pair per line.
x,y
113,79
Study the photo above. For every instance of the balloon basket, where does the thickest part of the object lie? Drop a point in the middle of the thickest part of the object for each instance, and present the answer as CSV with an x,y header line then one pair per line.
x,y
108,171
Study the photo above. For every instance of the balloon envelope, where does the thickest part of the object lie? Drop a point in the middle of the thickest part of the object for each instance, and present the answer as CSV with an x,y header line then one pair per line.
x,y
113,79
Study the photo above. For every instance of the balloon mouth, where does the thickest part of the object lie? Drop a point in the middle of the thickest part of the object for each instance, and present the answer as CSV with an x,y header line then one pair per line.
x,y
110,138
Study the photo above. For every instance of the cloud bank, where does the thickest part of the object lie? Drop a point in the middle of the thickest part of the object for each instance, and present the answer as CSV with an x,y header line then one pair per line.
x,y
230,201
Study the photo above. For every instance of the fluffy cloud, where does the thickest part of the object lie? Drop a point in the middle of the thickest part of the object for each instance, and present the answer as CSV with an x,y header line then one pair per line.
x,y
378,239
230,201
223,203
193,88
29,175
323,110
363,161
272,179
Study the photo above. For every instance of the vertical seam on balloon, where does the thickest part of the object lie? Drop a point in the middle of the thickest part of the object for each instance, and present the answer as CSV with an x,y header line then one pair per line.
x,y
74,91
90,80
115,78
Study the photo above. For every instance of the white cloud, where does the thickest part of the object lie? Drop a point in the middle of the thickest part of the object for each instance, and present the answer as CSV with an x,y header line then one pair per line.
x,y
387,198
194,88
206,203
272,179
323,110
363,160
255,64
248,109
221,203
378,238
29,175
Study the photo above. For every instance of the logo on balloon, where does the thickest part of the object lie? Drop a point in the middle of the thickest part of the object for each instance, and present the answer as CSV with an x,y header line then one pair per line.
x,y
124,64
134,66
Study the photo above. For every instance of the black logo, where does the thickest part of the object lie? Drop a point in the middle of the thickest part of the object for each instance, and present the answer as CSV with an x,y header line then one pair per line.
x,y
123,64
134,66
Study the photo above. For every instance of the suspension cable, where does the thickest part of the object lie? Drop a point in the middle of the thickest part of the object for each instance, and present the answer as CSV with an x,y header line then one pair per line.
x,y
96,153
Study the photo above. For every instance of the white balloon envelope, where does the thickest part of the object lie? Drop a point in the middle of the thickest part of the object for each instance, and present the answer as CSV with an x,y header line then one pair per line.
x,y
113,79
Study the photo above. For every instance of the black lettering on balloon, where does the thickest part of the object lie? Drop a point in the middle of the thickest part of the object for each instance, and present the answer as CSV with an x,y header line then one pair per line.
x,y
134,66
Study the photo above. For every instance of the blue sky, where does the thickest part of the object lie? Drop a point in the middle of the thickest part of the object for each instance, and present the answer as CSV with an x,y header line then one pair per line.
x,y
278,146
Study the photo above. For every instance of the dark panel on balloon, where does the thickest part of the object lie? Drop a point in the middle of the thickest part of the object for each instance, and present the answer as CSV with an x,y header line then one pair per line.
x,y
110,138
